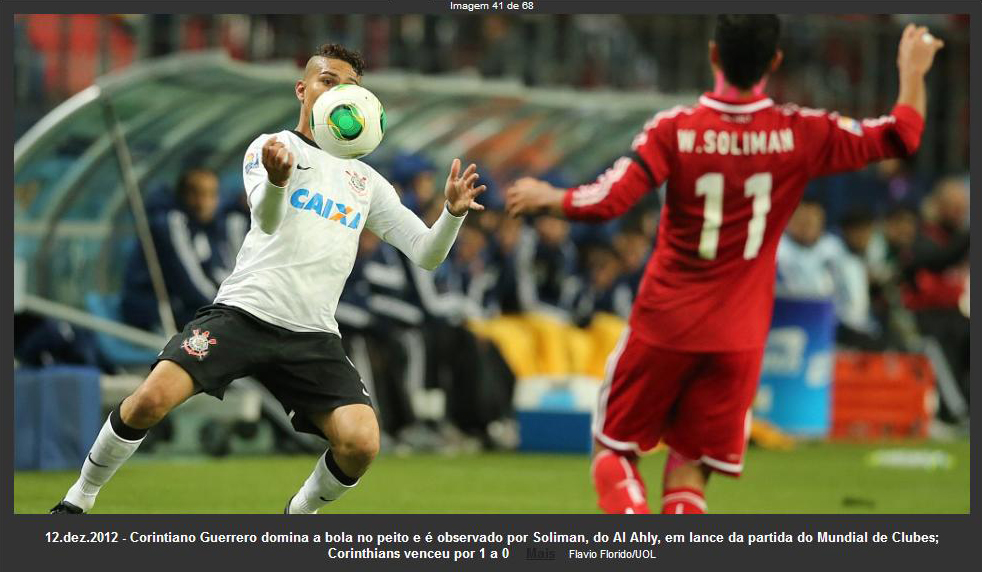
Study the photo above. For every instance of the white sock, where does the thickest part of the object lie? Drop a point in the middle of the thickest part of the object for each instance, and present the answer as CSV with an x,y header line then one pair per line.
x,y
108,453
320,488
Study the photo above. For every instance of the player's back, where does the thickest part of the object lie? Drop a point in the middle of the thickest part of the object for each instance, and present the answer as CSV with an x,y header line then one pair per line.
x,y
735,172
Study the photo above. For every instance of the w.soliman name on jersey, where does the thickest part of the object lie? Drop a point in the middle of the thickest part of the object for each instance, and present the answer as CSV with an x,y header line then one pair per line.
x,y
735,171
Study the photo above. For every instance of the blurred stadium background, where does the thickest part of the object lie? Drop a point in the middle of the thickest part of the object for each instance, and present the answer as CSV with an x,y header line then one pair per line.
x,y
863,402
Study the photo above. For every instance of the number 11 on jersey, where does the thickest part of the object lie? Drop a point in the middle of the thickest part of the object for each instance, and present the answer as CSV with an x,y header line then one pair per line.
x,y
710,186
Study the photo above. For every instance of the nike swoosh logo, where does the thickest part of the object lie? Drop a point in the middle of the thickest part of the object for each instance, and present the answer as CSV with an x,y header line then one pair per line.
x,y
365,391
302,168
97,464
324,499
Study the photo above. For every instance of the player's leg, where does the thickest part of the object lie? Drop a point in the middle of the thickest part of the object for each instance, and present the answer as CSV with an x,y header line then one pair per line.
x,y
683,485
320,387
353,433
167,386
709,433
620,488
641,385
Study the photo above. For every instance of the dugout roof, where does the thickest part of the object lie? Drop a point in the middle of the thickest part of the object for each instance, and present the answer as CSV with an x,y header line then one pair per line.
x,y
73,225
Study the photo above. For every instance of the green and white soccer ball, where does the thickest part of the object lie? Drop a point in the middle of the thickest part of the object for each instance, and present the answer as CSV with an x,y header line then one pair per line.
x,y
347,121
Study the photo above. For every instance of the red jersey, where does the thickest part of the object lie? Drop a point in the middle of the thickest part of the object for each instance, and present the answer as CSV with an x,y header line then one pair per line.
x,y
735,171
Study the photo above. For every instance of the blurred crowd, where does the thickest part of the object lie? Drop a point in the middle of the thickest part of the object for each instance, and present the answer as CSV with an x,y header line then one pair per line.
x,y
841,61
898,276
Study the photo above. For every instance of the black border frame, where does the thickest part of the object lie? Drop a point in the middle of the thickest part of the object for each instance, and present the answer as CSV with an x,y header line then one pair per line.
x,y
22,537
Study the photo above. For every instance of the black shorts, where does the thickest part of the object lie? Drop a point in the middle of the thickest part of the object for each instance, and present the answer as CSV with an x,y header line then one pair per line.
x,y
308,372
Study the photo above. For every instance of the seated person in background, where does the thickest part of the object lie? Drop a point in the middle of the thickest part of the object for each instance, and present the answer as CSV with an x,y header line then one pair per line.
x,y
605,287
634,248
502,257
189,240
481,384
467,278
414,179
935,271
813,263
377,332
547,284
546,263
857,329
935,267
602,307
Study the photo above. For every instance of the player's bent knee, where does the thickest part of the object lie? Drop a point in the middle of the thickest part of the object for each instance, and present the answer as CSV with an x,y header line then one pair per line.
x,y
359,446
144,408
167,387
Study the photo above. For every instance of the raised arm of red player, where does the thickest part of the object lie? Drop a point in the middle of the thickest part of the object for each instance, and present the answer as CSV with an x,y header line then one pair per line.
x,y
843,144
631,176
615,191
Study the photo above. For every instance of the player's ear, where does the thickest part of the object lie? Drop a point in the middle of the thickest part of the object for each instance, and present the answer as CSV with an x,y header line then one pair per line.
x,y
776,61
713,56
300,89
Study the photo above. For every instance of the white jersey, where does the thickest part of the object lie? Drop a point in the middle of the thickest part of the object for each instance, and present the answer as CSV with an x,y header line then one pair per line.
x,y
293,277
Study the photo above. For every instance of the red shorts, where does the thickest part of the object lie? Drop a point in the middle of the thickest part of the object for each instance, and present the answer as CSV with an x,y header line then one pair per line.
x,y
698,403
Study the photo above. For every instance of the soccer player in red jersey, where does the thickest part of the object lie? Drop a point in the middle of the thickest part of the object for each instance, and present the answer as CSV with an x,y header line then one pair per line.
x,y
735,164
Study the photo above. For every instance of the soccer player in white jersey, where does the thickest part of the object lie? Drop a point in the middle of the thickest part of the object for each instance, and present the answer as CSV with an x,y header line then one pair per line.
x,y
273,317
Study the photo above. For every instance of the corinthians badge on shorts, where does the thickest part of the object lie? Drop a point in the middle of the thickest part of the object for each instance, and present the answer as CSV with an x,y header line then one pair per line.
x,y
198,344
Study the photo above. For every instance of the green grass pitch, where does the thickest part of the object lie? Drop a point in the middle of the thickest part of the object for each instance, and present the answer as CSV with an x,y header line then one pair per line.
x,y
814,478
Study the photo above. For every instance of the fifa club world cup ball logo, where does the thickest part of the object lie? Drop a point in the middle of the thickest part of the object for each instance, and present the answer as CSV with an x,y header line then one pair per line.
x,y
198,344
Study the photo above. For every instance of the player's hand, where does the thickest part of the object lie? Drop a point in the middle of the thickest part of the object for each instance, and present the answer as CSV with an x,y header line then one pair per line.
x,y
917,48
461,190
278,161
529,195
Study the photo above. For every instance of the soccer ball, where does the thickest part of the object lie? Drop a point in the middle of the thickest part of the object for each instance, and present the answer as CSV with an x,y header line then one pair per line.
x,y
347,121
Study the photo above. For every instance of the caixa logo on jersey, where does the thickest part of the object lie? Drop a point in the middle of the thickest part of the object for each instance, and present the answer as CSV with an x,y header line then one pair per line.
x,y
304,200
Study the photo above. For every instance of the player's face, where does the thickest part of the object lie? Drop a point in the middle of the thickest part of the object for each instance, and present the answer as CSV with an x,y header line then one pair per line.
x,y
953,205
201,197
858,237
807,224
470,245
321,75
901,230
425,186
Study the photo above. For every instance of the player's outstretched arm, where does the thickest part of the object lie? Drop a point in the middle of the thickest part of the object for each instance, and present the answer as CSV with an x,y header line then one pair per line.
x,y
529,195
268,202
914,58
840,144
426,247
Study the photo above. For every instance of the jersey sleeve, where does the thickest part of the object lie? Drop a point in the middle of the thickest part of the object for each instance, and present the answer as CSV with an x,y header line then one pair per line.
x,y
254,174
391,221
837,143
631,176
266,201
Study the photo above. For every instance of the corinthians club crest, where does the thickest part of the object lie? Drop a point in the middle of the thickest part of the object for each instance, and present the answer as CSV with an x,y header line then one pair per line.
x,y
198,344
357,182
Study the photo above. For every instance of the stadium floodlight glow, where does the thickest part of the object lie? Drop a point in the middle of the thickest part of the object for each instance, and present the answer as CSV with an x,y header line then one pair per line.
x,y
347,121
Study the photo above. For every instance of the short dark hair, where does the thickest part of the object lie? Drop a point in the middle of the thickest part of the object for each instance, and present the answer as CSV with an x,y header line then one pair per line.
x,y
857,217
185,179
810,200
339,52
901,209
747,44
